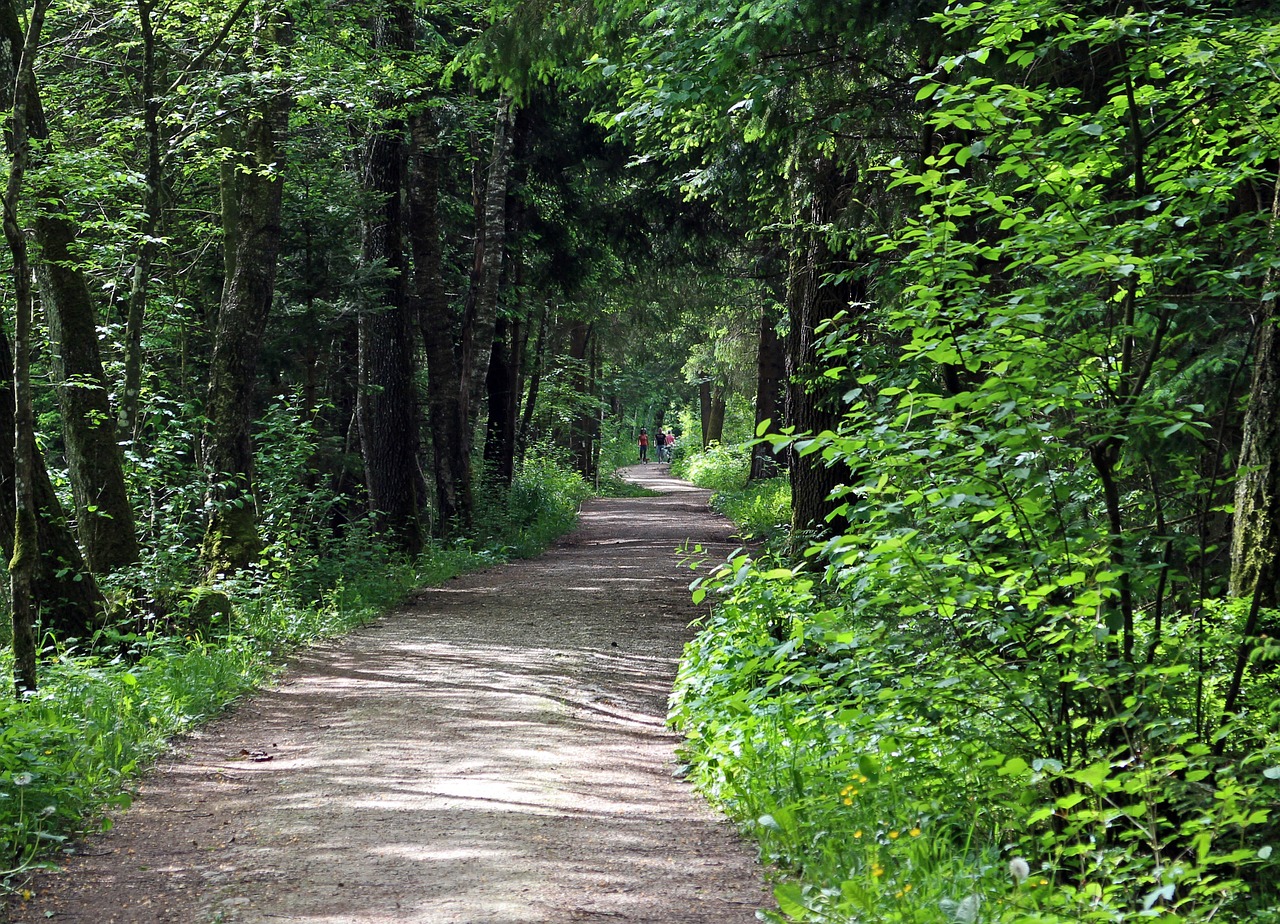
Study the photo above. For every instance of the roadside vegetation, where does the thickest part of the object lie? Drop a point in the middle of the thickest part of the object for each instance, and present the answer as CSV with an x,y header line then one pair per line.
x,y
892,768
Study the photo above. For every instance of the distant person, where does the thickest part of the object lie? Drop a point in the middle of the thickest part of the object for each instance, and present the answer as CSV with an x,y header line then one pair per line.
x,y
659,445
669,447
644,445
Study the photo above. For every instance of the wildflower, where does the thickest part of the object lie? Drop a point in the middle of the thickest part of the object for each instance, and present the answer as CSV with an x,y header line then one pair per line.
x,y
23,779
893,835
847,801
857,833
914,832
1019,870
907,887
877,870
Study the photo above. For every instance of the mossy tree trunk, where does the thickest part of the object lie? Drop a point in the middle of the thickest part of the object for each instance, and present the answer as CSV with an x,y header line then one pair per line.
x,y
231,538
104,515
22,566
1255,539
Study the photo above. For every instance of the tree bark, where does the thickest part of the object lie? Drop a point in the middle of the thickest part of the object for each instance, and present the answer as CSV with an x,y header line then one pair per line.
x,y
104,515
22,565
582,429
504,400
231,540
715,424
140,285
441,331
481,314
813,402
388,402
771,366
1255,538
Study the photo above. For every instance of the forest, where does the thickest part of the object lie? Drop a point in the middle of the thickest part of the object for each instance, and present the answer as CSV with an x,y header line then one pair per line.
x,y
966,311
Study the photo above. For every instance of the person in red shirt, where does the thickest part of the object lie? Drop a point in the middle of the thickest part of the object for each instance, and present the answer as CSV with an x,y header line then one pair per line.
x,y
644,445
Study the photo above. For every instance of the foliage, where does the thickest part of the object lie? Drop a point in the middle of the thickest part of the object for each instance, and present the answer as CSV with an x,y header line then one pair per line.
x,y
1024,609
720,468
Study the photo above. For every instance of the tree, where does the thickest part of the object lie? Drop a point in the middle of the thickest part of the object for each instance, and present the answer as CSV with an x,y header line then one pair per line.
x,y
104,513
231,539
387,405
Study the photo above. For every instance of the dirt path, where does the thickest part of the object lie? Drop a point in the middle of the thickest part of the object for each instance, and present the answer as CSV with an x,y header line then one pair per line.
x,y
492,752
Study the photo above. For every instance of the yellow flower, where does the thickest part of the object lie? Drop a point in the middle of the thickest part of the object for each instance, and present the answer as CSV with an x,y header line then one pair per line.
x,y
914,832
858,833
893,835
907,887
877,870
847,801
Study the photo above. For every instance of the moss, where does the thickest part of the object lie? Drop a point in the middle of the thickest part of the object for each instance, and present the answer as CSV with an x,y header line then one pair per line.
x,y
232,541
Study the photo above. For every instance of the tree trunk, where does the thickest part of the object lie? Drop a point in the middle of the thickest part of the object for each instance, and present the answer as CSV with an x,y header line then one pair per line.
x,y
1255,539
482,299
704,410
584,423
22,565
771,370
535,384
231,541
103,513
388,402
504,400
813,400
441,330
71,605
140,285
715,426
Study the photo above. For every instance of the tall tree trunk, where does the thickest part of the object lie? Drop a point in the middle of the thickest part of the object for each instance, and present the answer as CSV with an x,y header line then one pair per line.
x,y
1255,538
231,540
481,315
535,384
104,515
504,400
813,400
71,605
704,409
715,426
584,423
771,366
441,330
22,566
139,288
388,403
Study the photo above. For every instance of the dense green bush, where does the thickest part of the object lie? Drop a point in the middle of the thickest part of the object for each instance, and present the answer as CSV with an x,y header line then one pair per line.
x,y
720,468
905,781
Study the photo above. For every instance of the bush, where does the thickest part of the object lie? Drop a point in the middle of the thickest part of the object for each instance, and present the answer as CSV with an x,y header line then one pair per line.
x,y
720,468
899,778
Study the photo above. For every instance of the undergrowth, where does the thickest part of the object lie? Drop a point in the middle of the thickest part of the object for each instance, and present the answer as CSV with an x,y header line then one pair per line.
x,y
896,766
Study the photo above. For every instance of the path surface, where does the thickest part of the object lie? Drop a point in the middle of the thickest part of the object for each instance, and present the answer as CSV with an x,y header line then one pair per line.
x,y
492,753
